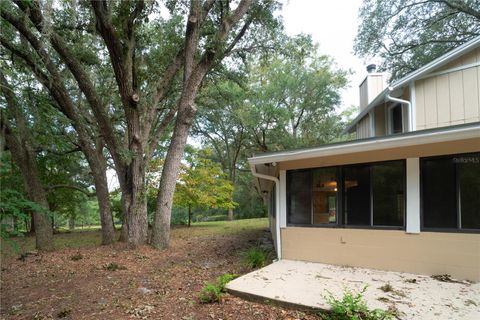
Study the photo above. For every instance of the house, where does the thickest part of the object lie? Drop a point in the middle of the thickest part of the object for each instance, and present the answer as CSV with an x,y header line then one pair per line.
x,y
405,194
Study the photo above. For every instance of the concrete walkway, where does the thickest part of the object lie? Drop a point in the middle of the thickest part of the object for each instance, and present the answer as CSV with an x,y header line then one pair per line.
x,y
306,285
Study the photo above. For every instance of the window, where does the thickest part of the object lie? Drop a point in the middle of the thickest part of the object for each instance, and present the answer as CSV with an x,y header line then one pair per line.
x,y
357,195
324,196
451,192
388,187
395,119
374,194
369,195
299,197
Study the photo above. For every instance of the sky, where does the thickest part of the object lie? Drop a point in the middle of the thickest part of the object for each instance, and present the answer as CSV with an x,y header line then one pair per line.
x,y
333,25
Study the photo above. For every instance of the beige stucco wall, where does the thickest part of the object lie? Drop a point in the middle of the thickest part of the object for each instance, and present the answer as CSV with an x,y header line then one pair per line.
x,y
452,98
434,149
457,254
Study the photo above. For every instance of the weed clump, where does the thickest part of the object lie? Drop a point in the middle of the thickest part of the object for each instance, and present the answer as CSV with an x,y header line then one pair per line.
x,y
353,306
212,292
256,257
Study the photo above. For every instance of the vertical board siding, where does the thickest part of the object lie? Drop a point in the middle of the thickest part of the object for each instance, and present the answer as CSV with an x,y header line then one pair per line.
x,y
452,98
443,98
420,104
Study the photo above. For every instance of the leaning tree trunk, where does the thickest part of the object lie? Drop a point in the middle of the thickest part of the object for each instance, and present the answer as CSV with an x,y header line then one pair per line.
x,y
171,166
101,188
24,157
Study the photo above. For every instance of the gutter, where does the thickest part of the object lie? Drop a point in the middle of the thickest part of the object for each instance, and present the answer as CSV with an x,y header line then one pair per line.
x,y
277,205
408,103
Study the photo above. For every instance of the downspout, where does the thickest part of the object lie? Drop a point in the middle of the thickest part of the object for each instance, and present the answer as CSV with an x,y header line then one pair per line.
x,y
277,206
409,105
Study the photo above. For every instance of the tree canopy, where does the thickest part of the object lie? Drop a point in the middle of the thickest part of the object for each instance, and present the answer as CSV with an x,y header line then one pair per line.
x,y
406,34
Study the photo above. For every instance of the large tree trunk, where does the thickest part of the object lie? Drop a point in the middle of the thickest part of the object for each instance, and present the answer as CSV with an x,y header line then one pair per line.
x,y
162,218
101,188
135,204
24,157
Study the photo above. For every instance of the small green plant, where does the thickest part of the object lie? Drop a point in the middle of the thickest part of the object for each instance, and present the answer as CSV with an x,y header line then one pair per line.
x,y
353,307
210,293
224,279
386,287
213,292
255,257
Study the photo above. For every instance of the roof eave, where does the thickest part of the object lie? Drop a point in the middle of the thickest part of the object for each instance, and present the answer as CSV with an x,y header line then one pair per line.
x,y
414,138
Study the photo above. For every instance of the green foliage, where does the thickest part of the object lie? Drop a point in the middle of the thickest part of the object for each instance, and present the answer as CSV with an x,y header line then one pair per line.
x,y
406,34
353,307
14,209
202,184
213,292
224,279
210,293
256,257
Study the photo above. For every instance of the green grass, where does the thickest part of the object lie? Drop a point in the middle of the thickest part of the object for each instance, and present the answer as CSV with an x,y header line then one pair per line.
x,y
219,228
92,237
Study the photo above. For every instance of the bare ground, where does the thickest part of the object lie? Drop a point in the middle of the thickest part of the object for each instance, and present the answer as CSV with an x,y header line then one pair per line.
x,y
113,282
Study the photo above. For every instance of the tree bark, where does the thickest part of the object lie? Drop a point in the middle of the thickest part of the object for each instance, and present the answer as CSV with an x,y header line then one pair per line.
x,y
189,216
101,188
23,155
230,214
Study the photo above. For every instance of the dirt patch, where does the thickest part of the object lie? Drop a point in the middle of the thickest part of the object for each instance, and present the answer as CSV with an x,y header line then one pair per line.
x,y
113,282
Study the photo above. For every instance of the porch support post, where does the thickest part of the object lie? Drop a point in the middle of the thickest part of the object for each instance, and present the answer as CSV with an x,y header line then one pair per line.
x,y
283,199
413,195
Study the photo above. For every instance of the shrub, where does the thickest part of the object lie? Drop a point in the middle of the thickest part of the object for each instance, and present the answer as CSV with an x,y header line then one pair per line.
x,y
210,293
353,307
255,257
224,279
213,292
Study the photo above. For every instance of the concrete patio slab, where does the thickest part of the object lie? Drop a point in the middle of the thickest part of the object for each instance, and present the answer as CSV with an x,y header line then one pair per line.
x,y
306,285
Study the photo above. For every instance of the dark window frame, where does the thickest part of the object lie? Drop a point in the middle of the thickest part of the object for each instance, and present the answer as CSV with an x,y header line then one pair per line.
x,y
458,229
341,196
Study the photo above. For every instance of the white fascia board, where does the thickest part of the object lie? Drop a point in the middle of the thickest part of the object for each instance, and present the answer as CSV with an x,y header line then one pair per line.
x,y
417,138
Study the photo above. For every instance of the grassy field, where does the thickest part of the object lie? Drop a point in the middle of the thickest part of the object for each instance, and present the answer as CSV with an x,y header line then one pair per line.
x,y
88,238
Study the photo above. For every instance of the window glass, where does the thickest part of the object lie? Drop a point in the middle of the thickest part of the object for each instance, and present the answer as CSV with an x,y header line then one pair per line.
x,y
469,180
439,193
357,195
299,197
397,123
388,193
324,196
